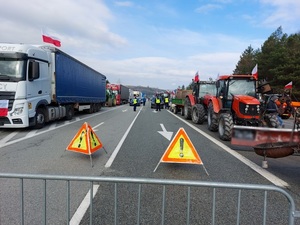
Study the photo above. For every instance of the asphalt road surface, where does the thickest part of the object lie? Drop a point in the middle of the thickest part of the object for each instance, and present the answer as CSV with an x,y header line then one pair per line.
x,y
134,143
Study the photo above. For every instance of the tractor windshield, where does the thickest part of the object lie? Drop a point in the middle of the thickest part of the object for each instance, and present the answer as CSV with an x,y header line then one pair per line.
x,y
241,87
207,89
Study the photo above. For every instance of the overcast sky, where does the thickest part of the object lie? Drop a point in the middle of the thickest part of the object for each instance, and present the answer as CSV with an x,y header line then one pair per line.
x,y
156,43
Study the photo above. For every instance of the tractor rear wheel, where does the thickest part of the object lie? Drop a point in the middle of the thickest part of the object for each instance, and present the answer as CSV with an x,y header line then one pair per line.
x,y
198,114
187,109
225,127
212,118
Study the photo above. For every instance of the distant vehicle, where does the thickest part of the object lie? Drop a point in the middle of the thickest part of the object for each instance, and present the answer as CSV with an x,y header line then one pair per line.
x,y
41,83
133,94
121,92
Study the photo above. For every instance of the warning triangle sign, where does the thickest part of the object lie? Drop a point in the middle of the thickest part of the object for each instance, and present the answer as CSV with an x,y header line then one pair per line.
x,y
85,141
181,150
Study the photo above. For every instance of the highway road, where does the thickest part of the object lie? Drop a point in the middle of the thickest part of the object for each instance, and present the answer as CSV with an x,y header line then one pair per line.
x,y
134,143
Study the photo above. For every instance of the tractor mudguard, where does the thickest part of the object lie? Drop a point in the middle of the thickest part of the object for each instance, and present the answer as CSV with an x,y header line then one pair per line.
x,y
192,99
215,104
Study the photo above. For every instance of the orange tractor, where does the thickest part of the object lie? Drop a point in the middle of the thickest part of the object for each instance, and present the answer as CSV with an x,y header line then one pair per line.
x,y
236,103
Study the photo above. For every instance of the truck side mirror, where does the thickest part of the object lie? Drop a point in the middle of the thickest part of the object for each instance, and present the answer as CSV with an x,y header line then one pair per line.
x,y
33,70
218,84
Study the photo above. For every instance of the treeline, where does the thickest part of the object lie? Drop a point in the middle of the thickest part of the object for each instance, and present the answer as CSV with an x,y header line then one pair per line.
x,y
278,61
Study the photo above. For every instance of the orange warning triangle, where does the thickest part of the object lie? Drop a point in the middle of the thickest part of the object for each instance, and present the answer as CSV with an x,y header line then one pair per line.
x,y
181,150
85,141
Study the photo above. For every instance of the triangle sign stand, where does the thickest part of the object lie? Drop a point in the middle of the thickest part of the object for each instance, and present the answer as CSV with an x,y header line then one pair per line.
x,y
85,141
181,150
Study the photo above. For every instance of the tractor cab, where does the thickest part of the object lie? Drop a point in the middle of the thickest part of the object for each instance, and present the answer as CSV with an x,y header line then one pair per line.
x,y
234,87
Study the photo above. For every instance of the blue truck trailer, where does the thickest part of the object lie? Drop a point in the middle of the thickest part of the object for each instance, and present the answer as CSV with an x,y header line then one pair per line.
x,y
39,84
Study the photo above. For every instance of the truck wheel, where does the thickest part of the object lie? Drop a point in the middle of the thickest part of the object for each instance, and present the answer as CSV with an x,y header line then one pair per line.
x,y
70,112
212,119
40,118
187,109
225,127
198,114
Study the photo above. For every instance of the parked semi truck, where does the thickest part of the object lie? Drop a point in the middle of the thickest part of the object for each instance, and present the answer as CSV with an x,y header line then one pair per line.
x,y
41,83
121,92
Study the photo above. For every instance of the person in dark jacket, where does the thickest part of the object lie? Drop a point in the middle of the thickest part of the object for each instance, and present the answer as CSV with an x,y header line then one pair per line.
x,y
273,108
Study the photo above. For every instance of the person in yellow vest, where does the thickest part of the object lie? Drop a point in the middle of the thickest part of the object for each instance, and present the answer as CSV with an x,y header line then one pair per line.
x,y
157,102
135,101
166,102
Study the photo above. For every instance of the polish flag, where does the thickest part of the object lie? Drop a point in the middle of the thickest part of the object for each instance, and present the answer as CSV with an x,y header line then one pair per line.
x,y
3,107
289,85
196,77
50,39
254,72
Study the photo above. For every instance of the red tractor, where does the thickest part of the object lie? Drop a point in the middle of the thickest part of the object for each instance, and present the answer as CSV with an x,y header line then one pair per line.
x,y
236,103
196,104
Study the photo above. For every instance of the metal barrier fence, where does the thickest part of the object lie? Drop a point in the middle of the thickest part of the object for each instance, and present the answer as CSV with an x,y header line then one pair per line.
x,y
116,190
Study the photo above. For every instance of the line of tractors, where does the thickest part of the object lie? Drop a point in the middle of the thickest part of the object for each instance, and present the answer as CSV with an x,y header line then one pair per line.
x,y
230,100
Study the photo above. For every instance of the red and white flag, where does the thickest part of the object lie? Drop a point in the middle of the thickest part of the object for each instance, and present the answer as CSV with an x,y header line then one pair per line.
x,y
255,72
3,107
289,85
50,39
196,79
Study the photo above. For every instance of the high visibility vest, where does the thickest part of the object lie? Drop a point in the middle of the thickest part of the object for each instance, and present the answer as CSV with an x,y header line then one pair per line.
x,y
166,100
134,101
157,100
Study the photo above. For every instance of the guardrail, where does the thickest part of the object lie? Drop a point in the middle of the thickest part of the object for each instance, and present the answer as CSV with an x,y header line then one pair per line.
x,y
118,187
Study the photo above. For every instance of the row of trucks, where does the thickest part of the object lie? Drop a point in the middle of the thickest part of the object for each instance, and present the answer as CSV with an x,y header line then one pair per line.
x,y
39,84
119,94
228,101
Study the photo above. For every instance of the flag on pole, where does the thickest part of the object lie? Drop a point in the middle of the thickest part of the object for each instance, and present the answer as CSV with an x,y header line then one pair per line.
x,y
3,107
196,77
289,85
50,39
255,72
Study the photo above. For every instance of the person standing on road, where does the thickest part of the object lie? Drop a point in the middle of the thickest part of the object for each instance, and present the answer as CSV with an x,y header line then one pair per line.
x,y
166,102
134,103
157,102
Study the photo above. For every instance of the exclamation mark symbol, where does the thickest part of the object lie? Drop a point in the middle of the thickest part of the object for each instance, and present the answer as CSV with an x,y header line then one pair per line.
x,y
92,134
181,147
80,139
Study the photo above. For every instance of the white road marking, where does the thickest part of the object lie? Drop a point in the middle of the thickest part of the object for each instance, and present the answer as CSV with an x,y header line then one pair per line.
x,y
98,125
269,176
45,131
78,215
117,149
8,137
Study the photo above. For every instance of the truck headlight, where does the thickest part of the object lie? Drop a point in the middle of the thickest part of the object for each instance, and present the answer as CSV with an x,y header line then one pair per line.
x,y
18,110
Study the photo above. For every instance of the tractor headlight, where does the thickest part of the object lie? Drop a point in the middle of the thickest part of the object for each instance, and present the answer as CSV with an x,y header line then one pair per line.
x,y
246,108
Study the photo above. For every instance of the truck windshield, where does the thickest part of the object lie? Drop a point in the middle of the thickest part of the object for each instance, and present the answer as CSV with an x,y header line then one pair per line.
x,y
12,69
241,87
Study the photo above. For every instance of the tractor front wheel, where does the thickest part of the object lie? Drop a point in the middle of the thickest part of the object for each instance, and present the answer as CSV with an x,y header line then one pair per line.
x,y
225,127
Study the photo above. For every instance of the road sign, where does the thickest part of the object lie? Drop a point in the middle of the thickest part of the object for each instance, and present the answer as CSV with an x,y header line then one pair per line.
x,y
85,141
181,150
